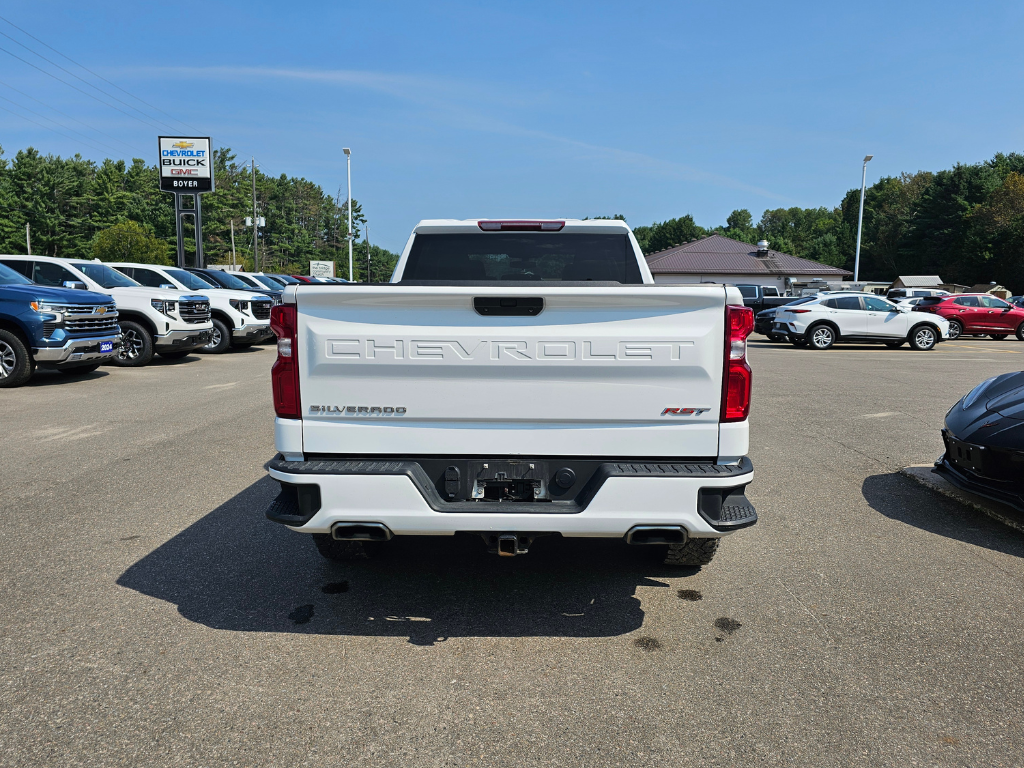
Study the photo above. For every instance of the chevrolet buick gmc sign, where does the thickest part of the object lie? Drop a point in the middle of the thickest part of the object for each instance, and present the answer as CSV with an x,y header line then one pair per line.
x,y
185,165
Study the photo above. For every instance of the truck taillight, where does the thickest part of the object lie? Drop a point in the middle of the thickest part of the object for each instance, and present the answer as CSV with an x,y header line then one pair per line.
x,y
737,377
284,376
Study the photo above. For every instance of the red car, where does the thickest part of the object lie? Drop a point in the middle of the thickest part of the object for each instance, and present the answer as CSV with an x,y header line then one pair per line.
x,y
976,314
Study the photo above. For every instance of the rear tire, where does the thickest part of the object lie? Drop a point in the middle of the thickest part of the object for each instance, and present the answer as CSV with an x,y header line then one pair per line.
x,y
136,348
956,329
999,336
79,370
693,552
923,338
16,364
1020,332
345,551
821,337
220,339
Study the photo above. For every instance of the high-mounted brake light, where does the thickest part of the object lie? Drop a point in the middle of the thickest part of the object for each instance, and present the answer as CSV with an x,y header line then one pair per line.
x,y
284,376
737,377
520,226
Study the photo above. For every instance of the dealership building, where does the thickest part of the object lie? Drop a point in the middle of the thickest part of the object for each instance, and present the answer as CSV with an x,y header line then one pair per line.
x,y
717,259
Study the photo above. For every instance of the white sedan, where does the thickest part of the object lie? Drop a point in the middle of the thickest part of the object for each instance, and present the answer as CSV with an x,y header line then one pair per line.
x,y
858,317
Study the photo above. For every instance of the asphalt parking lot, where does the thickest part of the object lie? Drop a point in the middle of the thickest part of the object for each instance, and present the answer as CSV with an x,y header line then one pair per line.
x,y
152,616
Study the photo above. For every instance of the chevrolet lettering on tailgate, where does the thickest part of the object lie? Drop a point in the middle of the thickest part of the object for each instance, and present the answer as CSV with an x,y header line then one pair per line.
x,y
382,350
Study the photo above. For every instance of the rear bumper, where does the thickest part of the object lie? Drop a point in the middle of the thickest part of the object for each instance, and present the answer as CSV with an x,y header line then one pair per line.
x,y
621,496
186,339
77,350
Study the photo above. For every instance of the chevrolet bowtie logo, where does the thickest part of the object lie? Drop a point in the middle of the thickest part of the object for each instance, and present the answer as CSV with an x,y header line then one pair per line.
x,y
183,145
101,310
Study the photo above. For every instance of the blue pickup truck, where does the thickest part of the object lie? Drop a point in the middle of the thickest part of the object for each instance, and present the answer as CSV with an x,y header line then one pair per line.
x,y
73,331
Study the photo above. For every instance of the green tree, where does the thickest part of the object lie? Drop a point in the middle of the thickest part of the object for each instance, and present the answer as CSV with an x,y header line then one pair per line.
x,y
130,241
739,225
666,234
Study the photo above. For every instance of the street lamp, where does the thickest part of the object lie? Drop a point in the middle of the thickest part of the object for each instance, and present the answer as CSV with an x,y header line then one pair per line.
x,y
348,160
860,216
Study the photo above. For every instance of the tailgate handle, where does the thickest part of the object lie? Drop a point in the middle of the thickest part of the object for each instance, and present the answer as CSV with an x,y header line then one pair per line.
x,y
508,306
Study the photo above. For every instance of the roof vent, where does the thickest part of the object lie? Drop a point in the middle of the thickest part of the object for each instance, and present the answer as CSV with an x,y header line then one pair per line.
x,y
762,247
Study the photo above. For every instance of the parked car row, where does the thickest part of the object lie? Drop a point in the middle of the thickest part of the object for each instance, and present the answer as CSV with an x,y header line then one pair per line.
x,y
74,315
923,321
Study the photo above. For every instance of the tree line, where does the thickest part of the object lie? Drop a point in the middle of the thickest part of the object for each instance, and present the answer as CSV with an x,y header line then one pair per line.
x,y
965,224
114,211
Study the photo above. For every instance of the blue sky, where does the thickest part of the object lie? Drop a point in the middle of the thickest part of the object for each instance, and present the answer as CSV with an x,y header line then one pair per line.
x,y
536,109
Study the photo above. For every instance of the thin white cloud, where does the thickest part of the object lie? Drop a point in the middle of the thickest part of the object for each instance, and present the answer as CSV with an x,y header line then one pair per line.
x,y
443,97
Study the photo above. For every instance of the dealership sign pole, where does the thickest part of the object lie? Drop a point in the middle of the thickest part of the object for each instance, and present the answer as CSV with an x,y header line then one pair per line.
x,y
186,169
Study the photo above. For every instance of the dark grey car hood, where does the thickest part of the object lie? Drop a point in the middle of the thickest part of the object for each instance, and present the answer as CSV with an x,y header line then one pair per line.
x,y
991,414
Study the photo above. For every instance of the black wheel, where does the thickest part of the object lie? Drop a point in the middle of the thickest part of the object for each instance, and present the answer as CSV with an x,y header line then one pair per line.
x,y
895,344
16,364
956,329
999,336
79,370
821,337
176,354
797,342
1020,332
220,339
693,552
923,338
345,551
136,347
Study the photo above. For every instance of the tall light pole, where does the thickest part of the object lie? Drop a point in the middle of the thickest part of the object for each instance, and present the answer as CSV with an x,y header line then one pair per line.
x,y
860,216
348,160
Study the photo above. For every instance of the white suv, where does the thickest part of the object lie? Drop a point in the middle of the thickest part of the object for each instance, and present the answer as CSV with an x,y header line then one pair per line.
x,y
239,318
858,317
168,323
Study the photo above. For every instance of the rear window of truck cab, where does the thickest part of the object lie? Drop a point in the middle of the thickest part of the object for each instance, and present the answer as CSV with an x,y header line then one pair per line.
x,y
541,257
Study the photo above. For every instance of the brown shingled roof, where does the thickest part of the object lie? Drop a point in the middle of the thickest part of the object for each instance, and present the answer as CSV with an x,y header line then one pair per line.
x,y
723,255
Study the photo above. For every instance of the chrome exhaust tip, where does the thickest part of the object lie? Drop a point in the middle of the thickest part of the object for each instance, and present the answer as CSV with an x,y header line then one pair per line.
x,y
656,534
361,532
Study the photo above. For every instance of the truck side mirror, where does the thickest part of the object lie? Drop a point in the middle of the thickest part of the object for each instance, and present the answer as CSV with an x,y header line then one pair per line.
x,y
76,285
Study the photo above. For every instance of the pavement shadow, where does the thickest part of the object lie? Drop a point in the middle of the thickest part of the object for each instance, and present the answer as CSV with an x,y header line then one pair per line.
x,y
235,570
50,378
900,498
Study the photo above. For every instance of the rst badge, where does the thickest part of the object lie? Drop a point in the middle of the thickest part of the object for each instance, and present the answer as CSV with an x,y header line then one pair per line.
x,y
684,411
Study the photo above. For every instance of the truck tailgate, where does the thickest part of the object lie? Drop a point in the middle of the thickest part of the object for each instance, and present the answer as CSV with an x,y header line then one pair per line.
x,y
412,370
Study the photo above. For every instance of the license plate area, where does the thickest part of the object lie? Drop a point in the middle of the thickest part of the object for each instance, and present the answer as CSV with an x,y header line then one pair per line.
x,y
508,480
106,346
964,455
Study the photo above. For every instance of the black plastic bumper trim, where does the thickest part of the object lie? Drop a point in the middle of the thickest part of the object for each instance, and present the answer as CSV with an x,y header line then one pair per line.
x,y
962,481
419,478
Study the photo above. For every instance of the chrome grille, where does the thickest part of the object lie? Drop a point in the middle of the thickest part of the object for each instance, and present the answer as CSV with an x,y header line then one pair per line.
x,y
93,324
194,311
261,309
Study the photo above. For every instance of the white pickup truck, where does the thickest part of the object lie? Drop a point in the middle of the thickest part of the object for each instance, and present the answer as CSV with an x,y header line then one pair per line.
x,y
515,379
